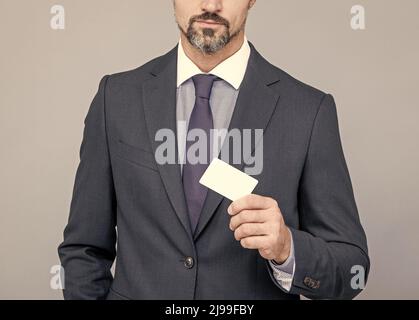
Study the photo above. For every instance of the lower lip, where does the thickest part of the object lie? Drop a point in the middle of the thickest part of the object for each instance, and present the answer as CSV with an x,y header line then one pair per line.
x,y
209,24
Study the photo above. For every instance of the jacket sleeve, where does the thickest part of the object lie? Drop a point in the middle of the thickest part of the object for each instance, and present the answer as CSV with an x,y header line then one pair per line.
x,y
88,249
330,240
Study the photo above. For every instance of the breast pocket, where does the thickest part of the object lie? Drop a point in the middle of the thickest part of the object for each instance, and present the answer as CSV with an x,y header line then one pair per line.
x,y
134,154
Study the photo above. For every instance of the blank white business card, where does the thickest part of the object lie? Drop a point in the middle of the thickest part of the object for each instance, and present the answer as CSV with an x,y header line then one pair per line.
x,y
227,180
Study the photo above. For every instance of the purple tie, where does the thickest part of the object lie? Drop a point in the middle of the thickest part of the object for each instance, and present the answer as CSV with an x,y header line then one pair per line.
x,y
201,118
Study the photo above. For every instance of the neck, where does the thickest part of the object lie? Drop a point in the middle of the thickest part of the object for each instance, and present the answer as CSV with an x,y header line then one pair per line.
x,y
207,62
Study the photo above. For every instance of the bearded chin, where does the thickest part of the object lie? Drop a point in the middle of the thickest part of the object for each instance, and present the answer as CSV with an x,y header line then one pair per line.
x,y
208,42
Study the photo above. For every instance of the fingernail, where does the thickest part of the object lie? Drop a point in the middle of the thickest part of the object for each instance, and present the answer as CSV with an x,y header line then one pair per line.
x,y
229,209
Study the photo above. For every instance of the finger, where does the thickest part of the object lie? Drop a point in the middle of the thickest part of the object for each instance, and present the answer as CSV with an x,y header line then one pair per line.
x,y
255,242
251,201
250,230
247,216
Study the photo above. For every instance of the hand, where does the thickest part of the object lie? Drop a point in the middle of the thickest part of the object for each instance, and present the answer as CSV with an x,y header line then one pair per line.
x,y
257,223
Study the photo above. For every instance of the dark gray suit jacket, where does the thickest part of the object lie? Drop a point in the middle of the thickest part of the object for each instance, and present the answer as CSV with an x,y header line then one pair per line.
x,y
122,196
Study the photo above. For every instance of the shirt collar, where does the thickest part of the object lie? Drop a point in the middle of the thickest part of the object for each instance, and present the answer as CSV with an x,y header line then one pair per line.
x,y
231,70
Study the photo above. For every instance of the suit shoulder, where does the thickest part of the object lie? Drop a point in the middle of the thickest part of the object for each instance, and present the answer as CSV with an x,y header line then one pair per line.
x,y
287,85
135,76
296,87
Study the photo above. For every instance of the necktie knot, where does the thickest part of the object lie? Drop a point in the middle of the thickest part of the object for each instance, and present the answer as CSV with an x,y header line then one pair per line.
x,y
203,85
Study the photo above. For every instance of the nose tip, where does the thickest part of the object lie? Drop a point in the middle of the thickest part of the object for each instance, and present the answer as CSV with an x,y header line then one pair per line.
x,y
212,5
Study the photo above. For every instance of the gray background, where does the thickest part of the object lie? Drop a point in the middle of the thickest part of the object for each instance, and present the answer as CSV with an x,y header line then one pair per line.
x,y
48,79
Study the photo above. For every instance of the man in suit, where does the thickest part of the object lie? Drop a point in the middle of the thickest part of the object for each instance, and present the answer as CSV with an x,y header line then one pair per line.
x,y
299,233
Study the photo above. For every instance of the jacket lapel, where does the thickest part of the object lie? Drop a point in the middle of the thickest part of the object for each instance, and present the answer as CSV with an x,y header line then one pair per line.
x,y
159,98
254,108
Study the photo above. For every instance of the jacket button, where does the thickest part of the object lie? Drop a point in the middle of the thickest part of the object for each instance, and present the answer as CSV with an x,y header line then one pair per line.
x,y
188,263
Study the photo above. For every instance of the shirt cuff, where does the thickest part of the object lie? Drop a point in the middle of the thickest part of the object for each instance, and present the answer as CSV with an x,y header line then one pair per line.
x,y
284,273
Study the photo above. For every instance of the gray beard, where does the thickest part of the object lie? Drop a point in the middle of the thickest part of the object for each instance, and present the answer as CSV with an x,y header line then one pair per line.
x,y
207,42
